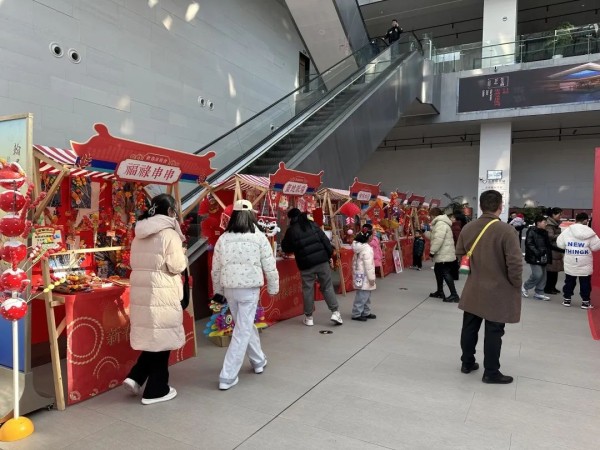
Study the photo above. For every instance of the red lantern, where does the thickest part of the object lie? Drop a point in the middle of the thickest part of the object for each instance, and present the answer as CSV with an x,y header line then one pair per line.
x,y
13,308
350,209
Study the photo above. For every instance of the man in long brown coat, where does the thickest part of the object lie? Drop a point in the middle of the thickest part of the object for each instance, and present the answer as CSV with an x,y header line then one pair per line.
x,y
492,291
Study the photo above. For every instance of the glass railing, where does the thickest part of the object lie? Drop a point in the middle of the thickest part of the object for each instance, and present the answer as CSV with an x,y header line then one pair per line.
x,y
565,42
273,122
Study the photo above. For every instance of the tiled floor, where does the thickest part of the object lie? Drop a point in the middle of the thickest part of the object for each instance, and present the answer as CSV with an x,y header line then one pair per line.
x,y
393,382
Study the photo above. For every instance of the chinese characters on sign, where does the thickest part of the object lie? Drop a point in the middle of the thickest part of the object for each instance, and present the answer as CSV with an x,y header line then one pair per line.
x,y
294,188
495,88
149,172
363,196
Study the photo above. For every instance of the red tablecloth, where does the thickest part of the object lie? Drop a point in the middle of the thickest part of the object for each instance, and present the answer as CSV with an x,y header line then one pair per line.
x,y
99,356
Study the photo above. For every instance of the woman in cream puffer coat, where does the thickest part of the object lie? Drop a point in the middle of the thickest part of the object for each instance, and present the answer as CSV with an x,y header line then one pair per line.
x,y
157,261
443,254
240,257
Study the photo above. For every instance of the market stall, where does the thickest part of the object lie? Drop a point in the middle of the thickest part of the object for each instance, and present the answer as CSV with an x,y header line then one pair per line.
x,y
272,197
94,193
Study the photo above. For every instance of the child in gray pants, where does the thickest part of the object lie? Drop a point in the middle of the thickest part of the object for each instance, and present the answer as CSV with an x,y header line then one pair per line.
x,y
363,271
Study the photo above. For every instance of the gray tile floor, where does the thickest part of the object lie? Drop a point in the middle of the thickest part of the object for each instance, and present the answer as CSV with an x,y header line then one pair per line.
x,y
393,382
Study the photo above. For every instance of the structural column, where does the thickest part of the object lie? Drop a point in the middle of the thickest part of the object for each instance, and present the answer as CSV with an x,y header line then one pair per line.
x,y
499,32
494,161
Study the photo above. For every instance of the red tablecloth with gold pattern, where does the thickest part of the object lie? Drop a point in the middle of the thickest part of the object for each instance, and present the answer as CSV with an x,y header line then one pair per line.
x,y
99,356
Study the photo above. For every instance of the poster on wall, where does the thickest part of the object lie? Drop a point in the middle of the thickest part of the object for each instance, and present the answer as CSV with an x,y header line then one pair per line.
x,y
574,83
15,132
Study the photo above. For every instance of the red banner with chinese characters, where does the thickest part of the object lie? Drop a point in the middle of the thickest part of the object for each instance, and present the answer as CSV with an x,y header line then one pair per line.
x,y
415,200
99,356
346,255
294,182
388,257
135,161
364,192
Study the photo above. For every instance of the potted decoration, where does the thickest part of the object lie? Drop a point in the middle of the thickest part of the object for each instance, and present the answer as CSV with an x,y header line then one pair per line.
x,y
561,40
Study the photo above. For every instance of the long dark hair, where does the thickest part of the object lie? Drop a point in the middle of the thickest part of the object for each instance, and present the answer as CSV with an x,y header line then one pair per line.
x,y
160,205
242,222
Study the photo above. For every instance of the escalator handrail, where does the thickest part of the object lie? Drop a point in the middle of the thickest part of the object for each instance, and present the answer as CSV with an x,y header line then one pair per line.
x,y
339,63
324,100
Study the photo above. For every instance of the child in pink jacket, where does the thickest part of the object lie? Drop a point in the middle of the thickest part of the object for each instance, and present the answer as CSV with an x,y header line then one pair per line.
x,y
377,253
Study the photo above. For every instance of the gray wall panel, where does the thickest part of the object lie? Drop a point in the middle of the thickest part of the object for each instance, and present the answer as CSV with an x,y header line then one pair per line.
x,y
139,78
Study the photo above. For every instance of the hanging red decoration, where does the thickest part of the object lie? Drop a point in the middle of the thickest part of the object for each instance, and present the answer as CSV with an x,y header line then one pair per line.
x,y
350,209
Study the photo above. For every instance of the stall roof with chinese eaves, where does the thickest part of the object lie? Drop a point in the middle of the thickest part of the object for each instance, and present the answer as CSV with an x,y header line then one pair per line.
x,y
246,182
341,194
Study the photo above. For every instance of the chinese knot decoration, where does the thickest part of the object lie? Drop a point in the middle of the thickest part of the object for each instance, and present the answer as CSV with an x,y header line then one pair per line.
x,y
13,224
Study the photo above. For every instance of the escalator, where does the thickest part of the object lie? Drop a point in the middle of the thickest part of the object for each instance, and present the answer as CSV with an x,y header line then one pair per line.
x,y
335,121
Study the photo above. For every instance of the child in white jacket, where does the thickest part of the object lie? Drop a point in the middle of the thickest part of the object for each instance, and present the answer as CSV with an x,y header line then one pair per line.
x,y
579,241
363,268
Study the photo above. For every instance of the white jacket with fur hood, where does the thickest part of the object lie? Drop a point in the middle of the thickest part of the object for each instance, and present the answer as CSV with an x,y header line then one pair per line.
x,y
364,262
157,261
239,260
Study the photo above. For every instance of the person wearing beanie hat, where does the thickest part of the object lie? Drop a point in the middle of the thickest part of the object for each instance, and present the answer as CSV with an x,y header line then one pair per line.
x,y
312,251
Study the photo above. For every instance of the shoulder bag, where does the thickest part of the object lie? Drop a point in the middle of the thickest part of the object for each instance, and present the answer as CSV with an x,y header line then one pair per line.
x,y
185,301
465,261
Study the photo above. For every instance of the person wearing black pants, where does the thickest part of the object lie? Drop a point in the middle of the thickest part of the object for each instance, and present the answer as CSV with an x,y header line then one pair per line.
x,y
491,346
152,368
492,290
443,272
585,289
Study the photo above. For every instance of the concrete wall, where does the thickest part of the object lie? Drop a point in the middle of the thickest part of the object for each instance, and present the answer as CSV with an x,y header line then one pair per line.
x,y
543,173
144,64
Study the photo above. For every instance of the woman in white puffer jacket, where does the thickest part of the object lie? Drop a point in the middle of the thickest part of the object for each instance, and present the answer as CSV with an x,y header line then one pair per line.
x,y
157,261
443,253
240,257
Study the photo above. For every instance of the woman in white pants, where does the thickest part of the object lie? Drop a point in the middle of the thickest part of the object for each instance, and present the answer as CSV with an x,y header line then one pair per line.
x,y
240,257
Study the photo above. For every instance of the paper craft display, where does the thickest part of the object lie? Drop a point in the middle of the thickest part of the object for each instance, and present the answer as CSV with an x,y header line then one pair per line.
x,y
81,192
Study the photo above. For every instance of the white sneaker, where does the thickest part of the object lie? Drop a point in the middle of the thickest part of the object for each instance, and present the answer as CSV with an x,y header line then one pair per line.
x,y
524,292
260,369
541,297
149,401
131,386
225,386
308,321
337,318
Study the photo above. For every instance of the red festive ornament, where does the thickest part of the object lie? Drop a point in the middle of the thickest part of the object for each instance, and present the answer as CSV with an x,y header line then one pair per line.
x,y
12,225
12,201
13,308
12,175
350,209
13,251
13,280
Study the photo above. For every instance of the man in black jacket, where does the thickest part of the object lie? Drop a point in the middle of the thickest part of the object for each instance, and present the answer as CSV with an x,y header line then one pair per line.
x,y
312,250
393,34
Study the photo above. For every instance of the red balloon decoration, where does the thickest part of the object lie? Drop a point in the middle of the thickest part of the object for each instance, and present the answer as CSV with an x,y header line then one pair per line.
x,y
13,308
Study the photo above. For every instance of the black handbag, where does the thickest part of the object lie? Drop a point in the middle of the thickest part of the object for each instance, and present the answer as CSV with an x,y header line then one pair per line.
x,y
185,301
